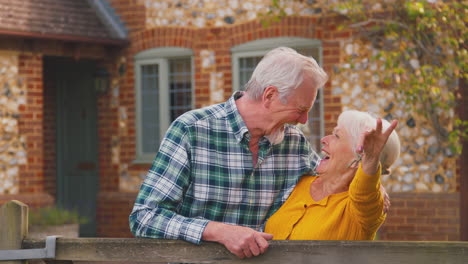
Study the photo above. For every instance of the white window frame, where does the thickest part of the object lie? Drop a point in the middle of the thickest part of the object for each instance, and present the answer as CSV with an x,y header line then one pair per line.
x,y
262,46
160,56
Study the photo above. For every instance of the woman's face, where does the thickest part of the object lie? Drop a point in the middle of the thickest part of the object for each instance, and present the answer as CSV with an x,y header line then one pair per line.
x,y
337,152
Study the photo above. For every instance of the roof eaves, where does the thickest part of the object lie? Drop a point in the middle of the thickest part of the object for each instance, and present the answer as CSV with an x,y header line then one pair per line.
x,y
72,38
109,18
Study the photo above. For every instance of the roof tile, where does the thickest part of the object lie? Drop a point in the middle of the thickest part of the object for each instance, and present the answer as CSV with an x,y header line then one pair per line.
x,y
57,17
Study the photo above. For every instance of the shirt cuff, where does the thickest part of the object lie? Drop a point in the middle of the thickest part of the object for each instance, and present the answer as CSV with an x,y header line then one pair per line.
x,y
192,230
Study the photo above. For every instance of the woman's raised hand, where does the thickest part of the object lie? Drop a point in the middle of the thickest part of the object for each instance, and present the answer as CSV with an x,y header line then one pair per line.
x,y
372,142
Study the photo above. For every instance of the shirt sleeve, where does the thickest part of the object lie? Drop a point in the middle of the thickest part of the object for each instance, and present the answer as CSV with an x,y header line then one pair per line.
x,y
366,199
155,213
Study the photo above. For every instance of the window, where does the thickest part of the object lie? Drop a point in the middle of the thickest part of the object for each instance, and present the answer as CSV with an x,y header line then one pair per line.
x,y
164,90
246,56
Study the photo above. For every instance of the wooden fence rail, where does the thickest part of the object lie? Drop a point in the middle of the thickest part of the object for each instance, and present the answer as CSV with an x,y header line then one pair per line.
x,y
157,250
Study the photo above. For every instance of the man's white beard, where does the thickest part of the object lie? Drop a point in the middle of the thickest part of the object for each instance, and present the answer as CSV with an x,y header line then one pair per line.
x,y
276,136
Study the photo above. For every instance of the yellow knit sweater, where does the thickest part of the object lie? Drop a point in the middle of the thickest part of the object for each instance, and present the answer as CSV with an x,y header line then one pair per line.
x,y
352,215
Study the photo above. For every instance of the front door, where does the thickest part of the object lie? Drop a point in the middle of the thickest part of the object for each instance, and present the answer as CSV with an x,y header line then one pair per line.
x,y
76,127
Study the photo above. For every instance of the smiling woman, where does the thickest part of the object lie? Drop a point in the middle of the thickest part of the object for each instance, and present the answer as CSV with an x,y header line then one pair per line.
x,y
344,201
338,152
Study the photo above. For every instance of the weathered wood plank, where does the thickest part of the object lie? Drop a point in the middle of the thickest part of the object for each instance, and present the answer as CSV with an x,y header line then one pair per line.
x,y
349,252
13,226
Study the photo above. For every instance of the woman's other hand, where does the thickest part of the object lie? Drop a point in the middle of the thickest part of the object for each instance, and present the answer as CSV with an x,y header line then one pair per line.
x,y
371,144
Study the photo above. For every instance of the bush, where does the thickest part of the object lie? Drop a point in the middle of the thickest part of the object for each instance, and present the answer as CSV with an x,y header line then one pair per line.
x,y
48,216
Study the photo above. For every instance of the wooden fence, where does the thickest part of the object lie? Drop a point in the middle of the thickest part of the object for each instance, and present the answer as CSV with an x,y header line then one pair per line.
x,y
13,236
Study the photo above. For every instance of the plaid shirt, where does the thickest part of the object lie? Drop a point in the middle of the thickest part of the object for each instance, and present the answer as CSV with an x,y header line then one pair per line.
x,y
203,171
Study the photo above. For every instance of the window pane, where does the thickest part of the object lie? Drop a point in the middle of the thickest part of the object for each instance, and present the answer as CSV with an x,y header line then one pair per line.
x,y
246,68
180,87
150,107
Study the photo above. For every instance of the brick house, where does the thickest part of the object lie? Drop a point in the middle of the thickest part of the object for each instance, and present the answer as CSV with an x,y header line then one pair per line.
x,y
89,87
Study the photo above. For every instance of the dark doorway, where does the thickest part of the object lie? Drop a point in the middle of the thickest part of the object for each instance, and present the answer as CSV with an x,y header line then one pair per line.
x,y
76,137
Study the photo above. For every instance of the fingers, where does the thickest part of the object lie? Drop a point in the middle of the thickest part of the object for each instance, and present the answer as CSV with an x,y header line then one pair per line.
x,y
253,248
378,127
241,241
370,133
262,241
392,127
389,130
259,244
266,236
386,134
247,252
386,199
239,251
386,203
252,245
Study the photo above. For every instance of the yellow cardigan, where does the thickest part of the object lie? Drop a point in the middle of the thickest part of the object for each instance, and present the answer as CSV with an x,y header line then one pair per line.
x,y
355,214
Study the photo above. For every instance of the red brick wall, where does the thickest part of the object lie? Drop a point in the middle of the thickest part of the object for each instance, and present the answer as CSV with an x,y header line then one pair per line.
x,y
113,211
422,217
34,200
131,12
107,128
31,175
113,208
31,178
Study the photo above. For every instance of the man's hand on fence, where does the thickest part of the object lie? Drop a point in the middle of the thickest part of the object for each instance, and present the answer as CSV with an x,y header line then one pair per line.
x,y
241,241
387,203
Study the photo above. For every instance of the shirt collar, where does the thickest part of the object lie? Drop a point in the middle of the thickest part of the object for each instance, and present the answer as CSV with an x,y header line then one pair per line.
x,y
235,119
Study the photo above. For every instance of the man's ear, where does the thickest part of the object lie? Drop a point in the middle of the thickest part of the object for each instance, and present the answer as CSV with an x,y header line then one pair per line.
x,y
269,94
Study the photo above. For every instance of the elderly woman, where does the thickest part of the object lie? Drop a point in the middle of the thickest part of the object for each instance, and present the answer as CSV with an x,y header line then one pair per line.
x,y
344,201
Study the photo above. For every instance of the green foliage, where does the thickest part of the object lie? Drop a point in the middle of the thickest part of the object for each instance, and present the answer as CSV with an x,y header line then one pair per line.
x,y
274,14
48,216
460,132
423,46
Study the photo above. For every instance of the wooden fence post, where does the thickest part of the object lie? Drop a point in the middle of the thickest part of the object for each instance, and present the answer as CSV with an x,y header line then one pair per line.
x,y
13,226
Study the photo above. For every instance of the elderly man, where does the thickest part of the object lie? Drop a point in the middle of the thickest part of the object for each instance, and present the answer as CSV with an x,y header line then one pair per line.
x,y
222,170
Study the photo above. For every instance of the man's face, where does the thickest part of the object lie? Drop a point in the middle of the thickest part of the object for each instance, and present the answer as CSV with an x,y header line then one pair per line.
x,y
297,108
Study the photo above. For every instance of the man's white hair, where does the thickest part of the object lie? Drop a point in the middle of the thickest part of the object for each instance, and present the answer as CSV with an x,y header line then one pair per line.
x,y
284,68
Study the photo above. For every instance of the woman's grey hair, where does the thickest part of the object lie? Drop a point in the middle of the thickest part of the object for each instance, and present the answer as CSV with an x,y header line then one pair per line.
x,y
283,68
356,122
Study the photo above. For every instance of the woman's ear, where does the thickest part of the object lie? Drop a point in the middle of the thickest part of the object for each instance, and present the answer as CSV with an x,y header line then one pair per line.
x,y
269,95
386,171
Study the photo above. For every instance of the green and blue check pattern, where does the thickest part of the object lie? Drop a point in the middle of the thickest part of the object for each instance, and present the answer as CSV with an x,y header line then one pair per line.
x,y
203,171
